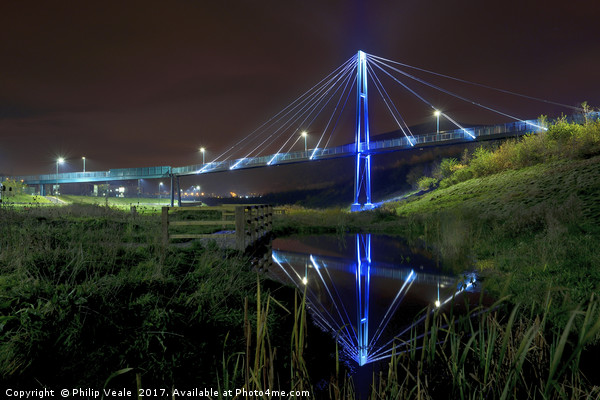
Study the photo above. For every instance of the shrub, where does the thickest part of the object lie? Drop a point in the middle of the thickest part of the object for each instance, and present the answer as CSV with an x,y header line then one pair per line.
x,y
561,140
447,167
483,162
426,183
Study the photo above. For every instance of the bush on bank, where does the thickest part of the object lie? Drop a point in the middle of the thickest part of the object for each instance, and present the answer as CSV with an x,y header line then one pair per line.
x,y
562,140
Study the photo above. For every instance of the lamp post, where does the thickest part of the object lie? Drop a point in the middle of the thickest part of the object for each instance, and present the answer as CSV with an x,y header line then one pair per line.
x,y
202,150
160,191
83,158
305,134
437,113
60,160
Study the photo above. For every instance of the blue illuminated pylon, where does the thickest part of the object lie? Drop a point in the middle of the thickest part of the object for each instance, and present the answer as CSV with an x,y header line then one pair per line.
x,y
362,173
363,284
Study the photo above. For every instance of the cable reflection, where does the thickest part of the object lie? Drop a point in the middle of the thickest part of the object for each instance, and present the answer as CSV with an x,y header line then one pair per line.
x,y
357,300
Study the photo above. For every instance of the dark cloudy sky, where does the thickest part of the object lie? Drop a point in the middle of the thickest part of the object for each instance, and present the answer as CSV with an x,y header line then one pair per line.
x,y
142,83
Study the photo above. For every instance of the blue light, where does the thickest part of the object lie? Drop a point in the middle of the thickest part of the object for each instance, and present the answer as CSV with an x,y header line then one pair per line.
x,y
468,133
536,126
237,163
272,159
314,263
362,172
274,257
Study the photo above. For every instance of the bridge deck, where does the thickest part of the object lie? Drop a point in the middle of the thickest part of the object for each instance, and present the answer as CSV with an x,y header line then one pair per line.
x,y
375,147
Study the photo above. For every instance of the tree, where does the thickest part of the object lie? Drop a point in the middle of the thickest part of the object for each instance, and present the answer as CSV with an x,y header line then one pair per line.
x,y
12,187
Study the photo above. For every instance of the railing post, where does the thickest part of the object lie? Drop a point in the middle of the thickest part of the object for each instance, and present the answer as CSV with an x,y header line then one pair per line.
x,y
165,224
240,228
270,218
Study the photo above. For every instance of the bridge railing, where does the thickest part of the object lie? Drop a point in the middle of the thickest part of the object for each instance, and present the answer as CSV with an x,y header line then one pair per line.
x,y
141,172
65,175
134,173
349,149
344,150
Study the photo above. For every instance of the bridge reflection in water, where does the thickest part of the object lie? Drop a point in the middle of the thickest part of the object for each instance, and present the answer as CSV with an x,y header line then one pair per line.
x,y
368,294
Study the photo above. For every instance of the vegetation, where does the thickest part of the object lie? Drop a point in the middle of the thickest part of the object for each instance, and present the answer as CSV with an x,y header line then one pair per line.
x,y
536,227
493,353
142,204
14,192
531,229
561,141
89,290
89,295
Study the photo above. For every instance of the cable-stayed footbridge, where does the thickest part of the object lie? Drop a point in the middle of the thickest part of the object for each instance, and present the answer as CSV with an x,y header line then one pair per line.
x,y
324,111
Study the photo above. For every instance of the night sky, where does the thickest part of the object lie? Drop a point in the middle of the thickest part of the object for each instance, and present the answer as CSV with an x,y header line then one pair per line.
x,y
143,83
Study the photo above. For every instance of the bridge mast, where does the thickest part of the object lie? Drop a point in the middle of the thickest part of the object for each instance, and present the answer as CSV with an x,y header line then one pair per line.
x,y
362,174
363,286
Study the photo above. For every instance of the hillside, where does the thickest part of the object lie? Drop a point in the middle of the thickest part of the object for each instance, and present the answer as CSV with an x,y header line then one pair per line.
x,y
529,232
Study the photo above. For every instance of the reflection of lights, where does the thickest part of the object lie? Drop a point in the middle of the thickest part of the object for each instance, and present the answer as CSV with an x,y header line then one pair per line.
x,y
363,338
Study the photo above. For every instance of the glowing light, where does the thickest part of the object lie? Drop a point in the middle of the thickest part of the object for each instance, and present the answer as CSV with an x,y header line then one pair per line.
x,y
468,133
437,114
272,159
60,160
305,280
362,173
237,163
437,303
536,126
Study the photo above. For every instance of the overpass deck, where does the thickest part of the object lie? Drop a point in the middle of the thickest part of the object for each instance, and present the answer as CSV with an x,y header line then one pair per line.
x,y
375,147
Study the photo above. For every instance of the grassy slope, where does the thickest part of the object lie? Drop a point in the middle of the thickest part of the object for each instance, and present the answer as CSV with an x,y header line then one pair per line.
x,y
502,195
24,198
530,230
112,200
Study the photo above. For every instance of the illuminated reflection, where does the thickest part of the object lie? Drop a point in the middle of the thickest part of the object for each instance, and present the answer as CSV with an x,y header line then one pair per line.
x,y
356,296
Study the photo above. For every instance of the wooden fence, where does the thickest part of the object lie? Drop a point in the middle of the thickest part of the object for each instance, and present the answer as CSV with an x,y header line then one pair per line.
x,y
236,227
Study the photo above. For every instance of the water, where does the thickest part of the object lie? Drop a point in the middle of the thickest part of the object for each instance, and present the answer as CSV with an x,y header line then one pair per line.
x,y
367,290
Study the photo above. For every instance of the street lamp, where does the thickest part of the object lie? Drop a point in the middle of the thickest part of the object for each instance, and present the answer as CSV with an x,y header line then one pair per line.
x,y
437,113
60,160
202,150
160,190
83,158
305,134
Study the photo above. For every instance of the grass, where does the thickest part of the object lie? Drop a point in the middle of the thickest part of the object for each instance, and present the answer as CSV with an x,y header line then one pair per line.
x,y
530,229
142,204
88,290
500,352
492,355
24,198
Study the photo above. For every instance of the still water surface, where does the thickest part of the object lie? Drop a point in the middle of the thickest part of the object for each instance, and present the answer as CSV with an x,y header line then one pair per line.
x,y
368,290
